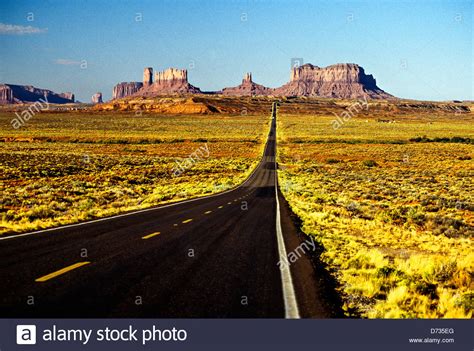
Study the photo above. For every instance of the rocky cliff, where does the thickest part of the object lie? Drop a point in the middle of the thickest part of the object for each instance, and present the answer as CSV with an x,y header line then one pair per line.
x,y
124,89
170,81
175,75
344,80
11,94
147,76
247,88
6,94
97,98
68,96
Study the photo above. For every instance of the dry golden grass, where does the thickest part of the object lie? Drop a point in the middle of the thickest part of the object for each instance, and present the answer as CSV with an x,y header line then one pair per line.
x,y
79,166
395,216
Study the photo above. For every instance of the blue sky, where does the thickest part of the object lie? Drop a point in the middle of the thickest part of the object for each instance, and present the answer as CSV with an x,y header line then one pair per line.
x,y
415,49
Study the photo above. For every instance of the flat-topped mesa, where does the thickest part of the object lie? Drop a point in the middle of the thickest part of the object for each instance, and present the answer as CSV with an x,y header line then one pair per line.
x,y
346,73
170,81
343,80
124,89
247,88
171,75
14,94
147,76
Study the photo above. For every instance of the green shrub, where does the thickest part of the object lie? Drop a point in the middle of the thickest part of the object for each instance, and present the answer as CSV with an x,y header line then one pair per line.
x,y
369,163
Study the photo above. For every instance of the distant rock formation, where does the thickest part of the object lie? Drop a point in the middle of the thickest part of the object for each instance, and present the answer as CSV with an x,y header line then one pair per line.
x,y
6,94
147,76
15,94
174,75
68,96
247,88
344,80
124,89
247,78
168,82
97,98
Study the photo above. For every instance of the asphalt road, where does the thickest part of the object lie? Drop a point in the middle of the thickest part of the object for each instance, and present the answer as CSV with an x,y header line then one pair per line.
x,y
210,257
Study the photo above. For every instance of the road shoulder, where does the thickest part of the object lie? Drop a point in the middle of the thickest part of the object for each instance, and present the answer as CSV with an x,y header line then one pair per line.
x,y
315,287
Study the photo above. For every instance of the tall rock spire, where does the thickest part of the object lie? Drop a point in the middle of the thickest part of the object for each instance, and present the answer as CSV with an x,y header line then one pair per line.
x,y
342,80
147,76
247,78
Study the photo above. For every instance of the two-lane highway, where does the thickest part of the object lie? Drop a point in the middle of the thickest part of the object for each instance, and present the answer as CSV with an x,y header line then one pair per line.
x,y
208,257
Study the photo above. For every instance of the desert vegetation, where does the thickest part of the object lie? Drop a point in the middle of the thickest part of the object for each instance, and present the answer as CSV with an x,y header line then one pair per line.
x,y
68,167
392,206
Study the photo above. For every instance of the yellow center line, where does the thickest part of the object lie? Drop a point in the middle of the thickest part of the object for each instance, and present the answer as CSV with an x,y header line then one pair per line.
x,y
187,220
220,206
61,271
150,235
207,212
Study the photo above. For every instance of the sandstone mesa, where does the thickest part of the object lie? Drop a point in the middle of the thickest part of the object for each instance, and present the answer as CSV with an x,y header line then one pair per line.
x,y
343,80
15,94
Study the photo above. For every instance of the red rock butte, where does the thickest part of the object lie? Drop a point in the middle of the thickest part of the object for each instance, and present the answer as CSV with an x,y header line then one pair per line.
x,y
17,94
97,98
247,88
169,81
343,80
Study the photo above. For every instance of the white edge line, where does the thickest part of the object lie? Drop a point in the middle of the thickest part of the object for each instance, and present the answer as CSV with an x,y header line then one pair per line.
x,y
155,208
289,296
